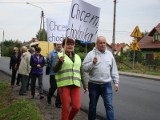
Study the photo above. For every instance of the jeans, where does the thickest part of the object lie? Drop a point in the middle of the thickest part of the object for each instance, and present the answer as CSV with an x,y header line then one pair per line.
x,y
105,91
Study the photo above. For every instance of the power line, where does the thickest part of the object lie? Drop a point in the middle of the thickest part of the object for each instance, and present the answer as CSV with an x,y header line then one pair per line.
x,y
51,2
99,2
116,31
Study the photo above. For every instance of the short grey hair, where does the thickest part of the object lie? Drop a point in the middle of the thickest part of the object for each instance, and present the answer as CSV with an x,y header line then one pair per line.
x,y
24,48
31,49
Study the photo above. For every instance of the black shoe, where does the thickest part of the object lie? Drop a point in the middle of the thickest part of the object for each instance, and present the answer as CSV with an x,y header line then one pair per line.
x,y
48,100
58,106
41,96
21,94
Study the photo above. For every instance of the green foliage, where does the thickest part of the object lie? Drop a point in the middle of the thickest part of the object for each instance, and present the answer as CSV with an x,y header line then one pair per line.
x,y
8,45
82,55
138,56
125,63
83,48
144,33
42,35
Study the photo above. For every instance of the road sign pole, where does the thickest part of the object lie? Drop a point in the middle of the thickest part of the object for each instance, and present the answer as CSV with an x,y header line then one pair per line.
x,y
133,59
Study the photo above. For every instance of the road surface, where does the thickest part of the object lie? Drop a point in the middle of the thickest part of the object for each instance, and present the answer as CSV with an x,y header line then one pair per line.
x,y
138,98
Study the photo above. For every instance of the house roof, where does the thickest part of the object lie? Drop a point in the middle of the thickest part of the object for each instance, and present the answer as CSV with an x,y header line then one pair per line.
x,y
157,28
118,46
147,41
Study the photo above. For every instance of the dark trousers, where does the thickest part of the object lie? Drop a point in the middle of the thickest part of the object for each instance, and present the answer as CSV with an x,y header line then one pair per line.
x,y
19,79
33,84
29,79
24,82
105,91
13,76
52,89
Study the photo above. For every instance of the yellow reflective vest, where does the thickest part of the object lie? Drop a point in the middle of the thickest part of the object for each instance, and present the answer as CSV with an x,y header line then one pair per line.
x,y
69,73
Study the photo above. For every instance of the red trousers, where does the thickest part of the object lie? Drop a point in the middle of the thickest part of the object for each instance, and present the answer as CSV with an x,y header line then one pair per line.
x,y
70,94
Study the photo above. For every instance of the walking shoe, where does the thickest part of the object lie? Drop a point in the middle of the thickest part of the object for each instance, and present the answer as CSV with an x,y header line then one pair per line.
x,y
58,106
49,100
41,96
20,94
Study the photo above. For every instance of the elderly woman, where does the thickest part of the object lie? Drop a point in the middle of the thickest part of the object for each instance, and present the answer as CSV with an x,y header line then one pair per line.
x,y
37,63
24,70
14,63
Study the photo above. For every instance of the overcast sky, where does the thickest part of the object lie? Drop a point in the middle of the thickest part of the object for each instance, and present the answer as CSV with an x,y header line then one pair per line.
x,y
21,21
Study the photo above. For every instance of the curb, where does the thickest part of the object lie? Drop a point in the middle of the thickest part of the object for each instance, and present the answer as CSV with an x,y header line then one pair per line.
x,y
153,77
5,72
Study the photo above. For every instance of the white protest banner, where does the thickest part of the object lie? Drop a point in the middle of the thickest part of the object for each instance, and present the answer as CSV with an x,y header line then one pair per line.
x,y
83,21
56,29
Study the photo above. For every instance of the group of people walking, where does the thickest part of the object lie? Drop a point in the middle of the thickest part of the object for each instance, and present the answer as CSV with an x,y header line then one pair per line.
x,y
67,72
28,65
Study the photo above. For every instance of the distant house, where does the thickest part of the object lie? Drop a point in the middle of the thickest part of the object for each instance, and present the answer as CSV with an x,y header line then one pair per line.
x,y
109,47
150,44
121,48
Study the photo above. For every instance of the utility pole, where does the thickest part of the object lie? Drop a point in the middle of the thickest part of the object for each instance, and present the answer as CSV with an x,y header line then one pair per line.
x,y
114,25
42,21
2,42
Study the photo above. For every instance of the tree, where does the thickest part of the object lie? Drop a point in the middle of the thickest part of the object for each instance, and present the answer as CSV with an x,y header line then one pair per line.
x,y
144,33
42,35
8,45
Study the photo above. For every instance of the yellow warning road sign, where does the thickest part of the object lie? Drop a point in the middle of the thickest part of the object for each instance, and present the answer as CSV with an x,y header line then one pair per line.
x,y
136,33
134,45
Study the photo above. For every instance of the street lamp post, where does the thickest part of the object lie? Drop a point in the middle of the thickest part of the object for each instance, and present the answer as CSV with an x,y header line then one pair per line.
x,y
2,42
42,19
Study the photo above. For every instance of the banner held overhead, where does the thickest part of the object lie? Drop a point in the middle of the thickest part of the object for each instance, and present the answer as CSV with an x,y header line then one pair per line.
x,y
83,21
56,29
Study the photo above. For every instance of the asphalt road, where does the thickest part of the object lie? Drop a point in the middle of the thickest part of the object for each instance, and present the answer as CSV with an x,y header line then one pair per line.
x,y
138,98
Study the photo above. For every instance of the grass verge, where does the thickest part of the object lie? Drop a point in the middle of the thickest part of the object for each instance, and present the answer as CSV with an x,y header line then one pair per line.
x,y
138,68
19,109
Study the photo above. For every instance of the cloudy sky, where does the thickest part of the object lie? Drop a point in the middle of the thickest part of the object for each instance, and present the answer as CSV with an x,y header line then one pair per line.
x,y
21,21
